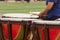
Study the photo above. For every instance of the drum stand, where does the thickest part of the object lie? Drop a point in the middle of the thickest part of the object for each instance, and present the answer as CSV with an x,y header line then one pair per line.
x,y
30,27
35,32
10,30
26,26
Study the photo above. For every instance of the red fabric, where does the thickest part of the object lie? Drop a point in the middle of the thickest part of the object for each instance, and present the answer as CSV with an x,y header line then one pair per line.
x,y
54,33
42,33
15,30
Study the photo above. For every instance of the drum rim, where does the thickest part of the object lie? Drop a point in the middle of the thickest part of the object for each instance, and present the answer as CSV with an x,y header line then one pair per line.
x,y
38,21
47,22
14,15
16,19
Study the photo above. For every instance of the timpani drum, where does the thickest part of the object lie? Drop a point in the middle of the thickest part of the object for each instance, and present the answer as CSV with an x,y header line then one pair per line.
x,y
48,30
16,27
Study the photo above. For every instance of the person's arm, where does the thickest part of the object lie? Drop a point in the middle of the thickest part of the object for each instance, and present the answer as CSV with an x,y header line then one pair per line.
x,y
48,7
42,15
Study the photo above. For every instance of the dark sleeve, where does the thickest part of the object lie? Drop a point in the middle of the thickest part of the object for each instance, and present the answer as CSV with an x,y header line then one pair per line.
x,y
55,1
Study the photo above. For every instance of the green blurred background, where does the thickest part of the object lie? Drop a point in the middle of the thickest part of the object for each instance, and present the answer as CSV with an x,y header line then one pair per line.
x,y
21,7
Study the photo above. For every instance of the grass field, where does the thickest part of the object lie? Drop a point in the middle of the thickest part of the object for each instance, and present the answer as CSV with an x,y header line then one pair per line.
x,y
19,7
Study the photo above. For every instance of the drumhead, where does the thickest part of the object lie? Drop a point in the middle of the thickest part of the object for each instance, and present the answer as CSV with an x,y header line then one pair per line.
x,y
19,15
38,21
16,19
46,22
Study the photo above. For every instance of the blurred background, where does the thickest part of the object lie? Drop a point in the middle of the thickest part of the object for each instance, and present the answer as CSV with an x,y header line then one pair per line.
x,y
21,6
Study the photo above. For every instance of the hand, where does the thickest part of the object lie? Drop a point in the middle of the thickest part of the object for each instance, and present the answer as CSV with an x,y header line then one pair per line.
x,y
35,14
42,15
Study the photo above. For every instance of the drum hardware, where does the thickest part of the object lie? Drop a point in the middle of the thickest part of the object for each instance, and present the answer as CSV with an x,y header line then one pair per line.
x,y
35,32
31,31
26,29
46,32
10,30
1,32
